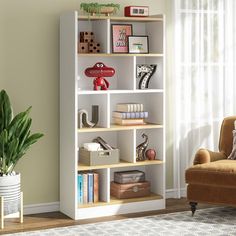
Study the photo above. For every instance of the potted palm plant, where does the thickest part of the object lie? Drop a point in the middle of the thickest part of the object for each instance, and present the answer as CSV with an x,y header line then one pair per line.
x,y
15,140
97,8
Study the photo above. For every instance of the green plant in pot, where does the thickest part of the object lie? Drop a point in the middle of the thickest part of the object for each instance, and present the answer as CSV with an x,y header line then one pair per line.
x,y
97,8
15,140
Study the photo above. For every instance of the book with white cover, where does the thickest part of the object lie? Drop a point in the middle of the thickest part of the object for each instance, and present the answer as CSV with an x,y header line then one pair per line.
x,y
129,107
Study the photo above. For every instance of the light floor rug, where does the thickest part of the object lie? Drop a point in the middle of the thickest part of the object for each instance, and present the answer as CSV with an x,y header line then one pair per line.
x,y
211,221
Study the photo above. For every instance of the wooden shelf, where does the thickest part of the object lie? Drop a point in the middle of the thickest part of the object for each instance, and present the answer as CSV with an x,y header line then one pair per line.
x,y
120,55
120,128
83,167
122,18
114,201
128,91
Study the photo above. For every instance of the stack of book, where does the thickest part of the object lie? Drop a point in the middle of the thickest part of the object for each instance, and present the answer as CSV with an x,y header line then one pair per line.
x,y
129,114
88,187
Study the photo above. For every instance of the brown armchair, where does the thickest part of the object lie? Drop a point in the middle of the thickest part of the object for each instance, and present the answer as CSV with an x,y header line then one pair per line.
x,y
212,178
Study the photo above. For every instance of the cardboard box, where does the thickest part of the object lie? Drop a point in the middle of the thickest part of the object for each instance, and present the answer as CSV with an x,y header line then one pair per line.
x,y
104,157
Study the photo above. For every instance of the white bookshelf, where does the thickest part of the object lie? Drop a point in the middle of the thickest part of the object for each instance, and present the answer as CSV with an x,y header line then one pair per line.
x,y
76,92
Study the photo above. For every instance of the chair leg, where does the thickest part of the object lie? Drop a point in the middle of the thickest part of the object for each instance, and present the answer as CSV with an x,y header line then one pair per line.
x,y
193,207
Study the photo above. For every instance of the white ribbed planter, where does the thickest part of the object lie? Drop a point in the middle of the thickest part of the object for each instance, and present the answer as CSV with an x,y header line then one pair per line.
x,y
10,190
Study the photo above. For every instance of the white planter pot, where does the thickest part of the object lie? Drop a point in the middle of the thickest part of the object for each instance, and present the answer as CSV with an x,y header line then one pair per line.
x,y
10,190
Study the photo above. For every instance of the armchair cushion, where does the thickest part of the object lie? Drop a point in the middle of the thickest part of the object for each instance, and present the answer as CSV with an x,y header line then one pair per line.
x,y
217,173
204,156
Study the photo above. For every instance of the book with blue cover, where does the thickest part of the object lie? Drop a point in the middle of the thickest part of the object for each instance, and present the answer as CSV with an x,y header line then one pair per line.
x,y
80,188
90,188
130,115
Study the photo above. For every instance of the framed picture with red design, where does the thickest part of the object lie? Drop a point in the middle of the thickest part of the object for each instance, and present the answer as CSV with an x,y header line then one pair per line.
x,y
119,35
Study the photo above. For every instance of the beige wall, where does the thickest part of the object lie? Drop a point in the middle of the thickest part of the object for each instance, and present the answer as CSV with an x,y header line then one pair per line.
x,y
29,71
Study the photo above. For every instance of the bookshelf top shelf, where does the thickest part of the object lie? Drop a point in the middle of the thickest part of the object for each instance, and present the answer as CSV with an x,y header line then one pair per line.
x,y
83,167
122,18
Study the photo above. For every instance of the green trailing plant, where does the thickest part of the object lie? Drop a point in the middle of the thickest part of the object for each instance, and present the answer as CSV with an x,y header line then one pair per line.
x,y
96,7
15,135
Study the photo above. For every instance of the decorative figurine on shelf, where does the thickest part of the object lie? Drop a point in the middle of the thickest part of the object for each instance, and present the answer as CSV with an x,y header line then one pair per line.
x,y
83,117
99,70
87,43
144,73
150,154
141,148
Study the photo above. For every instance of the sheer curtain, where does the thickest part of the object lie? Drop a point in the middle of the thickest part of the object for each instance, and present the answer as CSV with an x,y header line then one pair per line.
x,y
205,77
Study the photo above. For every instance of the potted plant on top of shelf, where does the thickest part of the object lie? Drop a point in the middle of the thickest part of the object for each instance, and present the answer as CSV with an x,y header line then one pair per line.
x,y
97,8
15,140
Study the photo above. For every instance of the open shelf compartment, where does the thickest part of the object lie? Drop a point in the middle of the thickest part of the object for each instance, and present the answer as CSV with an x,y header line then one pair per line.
x,y
122,79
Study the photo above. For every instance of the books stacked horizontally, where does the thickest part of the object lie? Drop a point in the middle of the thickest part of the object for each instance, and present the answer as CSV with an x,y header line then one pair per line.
x,y
88,187
129,114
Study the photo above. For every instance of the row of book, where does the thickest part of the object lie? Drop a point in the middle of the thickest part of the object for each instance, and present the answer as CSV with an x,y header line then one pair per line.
x,y
129,114
88,187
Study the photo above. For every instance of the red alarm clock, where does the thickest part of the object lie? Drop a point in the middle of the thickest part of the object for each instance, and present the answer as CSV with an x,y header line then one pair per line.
x,y
139,11
99,70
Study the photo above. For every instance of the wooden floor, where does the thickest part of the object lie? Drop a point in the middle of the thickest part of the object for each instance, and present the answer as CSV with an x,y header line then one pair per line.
x,y
57,219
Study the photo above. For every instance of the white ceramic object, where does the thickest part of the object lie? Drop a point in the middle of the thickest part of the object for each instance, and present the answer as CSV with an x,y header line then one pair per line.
x,y
10,190
92,146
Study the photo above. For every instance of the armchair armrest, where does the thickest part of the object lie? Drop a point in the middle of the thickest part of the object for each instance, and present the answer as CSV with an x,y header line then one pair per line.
x,y
205,156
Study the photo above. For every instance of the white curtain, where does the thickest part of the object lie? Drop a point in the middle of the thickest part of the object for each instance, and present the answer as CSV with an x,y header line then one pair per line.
x,y
205,77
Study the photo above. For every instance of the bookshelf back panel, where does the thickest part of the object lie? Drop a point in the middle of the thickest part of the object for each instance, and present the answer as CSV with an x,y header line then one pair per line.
x,y
155,174
155,32
125,139
87,101
122,79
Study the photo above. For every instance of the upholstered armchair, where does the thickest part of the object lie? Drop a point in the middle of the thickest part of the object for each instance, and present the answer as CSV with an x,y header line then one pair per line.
x,y
212,178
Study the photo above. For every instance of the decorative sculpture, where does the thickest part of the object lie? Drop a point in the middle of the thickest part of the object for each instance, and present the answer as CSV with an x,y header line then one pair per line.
x,y
83,117
144,73
99,70
141,148
150,154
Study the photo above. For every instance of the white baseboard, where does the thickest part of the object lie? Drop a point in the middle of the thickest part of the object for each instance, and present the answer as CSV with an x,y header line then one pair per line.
x,y
55,206
173,193
41,208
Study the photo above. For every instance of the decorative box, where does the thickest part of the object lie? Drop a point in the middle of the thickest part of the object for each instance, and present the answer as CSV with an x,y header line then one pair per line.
x,y
104,157
131,190
132,176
